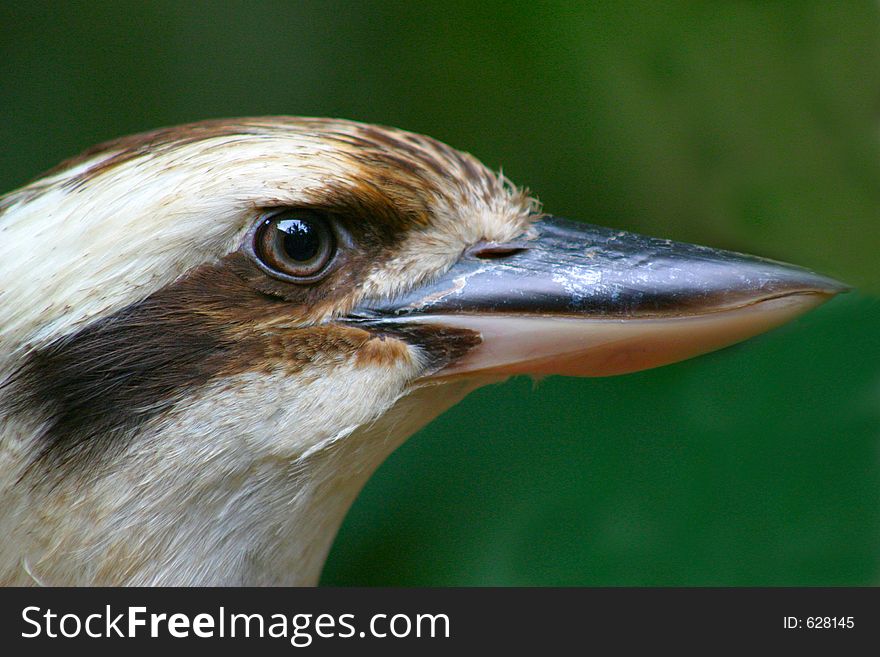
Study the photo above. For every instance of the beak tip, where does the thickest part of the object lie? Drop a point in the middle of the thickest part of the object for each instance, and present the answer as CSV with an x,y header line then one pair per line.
x,y
779,279
827,286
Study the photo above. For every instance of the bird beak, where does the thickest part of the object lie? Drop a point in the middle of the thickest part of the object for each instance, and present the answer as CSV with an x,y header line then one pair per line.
x,y
583,300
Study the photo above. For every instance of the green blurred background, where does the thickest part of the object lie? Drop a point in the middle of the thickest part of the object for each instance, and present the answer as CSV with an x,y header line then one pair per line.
x,y
747,126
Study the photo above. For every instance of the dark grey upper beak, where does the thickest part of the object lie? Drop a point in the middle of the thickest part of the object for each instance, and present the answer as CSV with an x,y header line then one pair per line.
x,y
573,269
583,300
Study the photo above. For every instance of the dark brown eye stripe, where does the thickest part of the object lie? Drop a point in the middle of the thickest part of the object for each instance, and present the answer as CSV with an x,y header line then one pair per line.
x,y
98,385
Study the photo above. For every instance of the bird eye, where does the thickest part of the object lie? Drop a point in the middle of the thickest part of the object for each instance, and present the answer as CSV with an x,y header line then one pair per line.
x,y
295,245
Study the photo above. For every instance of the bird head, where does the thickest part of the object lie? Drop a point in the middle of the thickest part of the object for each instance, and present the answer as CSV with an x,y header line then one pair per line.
x,y
211,335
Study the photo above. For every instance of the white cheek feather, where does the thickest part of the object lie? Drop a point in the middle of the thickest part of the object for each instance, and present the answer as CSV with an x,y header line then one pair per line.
x,y
280,415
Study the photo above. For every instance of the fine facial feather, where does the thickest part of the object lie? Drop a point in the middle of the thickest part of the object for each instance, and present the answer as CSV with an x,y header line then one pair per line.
x,y
190,389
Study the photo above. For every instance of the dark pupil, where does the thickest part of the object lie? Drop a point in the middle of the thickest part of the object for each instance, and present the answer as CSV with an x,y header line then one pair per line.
x,y
302,240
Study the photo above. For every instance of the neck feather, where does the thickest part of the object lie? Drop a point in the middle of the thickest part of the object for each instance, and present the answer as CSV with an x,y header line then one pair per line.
x,y
159,519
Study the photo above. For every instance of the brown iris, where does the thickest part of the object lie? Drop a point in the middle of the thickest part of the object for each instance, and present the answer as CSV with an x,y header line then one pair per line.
x,y
296,245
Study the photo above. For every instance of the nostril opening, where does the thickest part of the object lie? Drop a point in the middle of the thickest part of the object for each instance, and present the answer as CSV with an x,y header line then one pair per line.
x,y
496,251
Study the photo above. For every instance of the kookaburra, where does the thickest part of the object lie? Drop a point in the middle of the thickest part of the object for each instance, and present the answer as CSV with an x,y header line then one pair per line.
x,y
211,335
